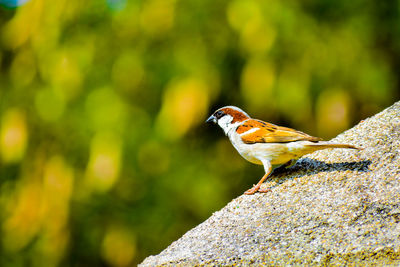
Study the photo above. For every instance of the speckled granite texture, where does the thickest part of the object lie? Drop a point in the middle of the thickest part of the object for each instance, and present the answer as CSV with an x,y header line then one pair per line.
x,y
335,206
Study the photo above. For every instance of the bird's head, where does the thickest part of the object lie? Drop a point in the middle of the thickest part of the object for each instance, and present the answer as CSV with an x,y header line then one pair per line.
x,y
227,117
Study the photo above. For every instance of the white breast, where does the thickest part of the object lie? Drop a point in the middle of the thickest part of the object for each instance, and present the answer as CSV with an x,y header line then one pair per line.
x,y
247,151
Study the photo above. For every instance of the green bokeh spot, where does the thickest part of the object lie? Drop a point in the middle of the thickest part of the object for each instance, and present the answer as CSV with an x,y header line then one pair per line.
x,y
105,110
49,105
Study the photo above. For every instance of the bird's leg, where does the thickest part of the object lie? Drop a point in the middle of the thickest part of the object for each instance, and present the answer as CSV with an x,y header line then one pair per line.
x,y
256,188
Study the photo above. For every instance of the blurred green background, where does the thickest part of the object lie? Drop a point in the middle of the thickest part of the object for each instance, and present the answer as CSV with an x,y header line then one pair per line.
x,y
104,154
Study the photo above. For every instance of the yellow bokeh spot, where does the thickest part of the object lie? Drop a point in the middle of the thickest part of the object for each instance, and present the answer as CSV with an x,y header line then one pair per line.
x,y
13,136
257,81
66,75
157,16
56,194
184,105
39,208
256,34
24,219
23,25
119,246
257,38
333,112
104,163
62,69
241,14
57,190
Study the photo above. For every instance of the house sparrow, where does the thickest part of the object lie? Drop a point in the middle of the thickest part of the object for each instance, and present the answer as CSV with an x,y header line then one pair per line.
x,y
265,143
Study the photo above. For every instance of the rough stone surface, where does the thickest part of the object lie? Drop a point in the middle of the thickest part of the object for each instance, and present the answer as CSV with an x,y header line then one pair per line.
x,y
335,206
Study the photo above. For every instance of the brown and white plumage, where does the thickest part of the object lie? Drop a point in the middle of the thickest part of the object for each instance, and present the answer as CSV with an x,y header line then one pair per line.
x,y
256,131
264,143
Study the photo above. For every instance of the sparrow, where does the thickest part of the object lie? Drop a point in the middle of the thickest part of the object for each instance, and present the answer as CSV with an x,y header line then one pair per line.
x,y
264,143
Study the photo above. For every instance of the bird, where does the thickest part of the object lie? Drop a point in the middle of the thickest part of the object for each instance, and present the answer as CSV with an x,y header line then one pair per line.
x,y
265,143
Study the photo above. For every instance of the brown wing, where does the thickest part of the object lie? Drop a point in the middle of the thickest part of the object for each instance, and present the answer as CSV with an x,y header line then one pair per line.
x,y
270,133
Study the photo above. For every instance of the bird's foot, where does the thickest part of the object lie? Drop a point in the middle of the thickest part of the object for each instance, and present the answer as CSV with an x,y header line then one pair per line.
x,y
264,190
252,190
256,188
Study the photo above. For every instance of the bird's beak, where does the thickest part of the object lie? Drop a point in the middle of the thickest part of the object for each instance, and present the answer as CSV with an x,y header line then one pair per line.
x,y
211,119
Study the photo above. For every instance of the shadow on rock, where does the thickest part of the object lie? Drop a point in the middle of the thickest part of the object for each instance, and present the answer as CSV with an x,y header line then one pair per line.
x,y
312,166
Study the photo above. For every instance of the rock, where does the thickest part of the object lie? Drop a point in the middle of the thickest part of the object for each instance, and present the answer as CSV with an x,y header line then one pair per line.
x,y
335,206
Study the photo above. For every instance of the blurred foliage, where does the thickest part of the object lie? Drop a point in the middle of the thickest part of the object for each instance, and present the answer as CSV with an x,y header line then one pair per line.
x,y
104,155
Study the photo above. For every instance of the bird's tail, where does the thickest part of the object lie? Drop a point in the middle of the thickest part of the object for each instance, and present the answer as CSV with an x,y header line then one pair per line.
x,y
323,145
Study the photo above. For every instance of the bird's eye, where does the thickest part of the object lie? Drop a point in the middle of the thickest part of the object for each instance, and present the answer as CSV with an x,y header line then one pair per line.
x,y
219,114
